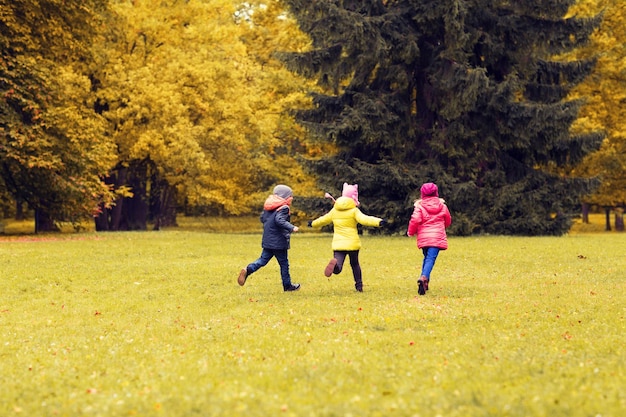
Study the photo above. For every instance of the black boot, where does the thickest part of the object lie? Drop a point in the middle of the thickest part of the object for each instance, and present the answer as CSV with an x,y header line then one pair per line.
x,y
293,287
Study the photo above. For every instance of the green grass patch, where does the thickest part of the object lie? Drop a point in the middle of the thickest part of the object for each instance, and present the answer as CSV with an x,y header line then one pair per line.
x,y
240,224
154,323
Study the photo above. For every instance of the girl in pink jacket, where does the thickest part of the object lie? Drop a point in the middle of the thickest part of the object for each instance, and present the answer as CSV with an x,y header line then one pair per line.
x,y
429,221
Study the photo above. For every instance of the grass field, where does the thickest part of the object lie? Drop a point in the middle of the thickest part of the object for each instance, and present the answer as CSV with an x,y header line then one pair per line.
x,y
154,324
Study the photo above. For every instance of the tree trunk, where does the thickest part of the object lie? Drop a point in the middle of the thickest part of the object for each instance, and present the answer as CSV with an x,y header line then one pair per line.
x,y
44,223
585,211
163,204
102,220
607,211
128,213
19,209
110,219
117,209
168,217
136,212
136,209
619,219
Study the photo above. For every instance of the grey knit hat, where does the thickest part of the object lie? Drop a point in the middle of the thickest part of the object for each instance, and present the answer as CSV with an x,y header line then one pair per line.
x,y
283,191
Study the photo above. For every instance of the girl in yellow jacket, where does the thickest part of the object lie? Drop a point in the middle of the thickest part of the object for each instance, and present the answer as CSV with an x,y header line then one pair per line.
x,y
345,215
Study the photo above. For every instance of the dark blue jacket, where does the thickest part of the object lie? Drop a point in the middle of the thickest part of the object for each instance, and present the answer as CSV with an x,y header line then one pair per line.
x,y
276,228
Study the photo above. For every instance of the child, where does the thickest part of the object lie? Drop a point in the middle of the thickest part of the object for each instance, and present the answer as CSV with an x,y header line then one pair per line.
x,y
429,221
344,216
277,231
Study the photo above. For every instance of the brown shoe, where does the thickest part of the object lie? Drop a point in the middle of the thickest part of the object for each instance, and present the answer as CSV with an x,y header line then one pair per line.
x,y
328,271
243,274
422,285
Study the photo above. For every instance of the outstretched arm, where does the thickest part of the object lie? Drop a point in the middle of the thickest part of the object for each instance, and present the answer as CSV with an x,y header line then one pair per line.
x,y
366,220
323,221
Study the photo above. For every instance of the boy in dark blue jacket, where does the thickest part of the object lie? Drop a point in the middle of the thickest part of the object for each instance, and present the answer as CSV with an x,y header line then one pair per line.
x,y
277,231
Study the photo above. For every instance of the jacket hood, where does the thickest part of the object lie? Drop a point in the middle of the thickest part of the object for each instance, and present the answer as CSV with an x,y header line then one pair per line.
x,y
432,205
274,201
344,203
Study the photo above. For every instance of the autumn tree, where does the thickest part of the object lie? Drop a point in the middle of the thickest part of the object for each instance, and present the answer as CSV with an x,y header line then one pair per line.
x,y
52,151
463,93
605,95
266,29
197,118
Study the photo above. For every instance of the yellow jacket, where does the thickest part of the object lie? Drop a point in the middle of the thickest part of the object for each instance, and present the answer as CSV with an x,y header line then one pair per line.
x,y
344,216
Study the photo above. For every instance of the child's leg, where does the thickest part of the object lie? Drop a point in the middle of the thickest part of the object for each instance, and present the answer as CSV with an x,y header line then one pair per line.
x,y
335,265
430,256
265,257
283,261
356,270
340,256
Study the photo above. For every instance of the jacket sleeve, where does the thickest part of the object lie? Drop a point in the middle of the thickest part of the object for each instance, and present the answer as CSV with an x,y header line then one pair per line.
x,y
323,221
446,216
282,219
416,219
366,220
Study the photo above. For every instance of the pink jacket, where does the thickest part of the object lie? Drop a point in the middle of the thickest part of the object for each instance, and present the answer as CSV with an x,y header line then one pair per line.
x,y
429,221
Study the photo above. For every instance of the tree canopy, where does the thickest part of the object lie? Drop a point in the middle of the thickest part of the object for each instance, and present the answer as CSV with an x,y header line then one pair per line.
x,y
463,93
604,92
136,109
52,151
196,110
133,110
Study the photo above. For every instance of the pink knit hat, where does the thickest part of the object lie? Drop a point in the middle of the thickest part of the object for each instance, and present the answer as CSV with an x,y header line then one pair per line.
x,y
429,190
351,191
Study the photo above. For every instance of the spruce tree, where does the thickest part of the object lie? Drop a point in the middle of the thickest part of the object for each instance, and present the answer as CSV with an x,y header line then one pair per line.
x,y
461,93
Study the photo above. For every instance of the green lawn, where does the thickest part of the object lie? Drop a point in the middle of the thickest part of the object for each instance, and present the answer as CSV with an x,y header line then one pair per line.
x,y
154,324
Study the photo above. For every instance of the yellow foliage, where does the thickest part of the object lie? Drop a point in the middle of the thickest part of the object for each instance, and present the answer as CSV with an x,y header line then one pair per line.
x,y
196,90
605,95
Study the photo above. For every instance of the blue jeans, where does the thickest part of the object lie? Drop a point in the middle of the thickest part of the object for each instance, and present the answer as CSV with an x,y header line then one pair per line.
x,y
266,256
430,256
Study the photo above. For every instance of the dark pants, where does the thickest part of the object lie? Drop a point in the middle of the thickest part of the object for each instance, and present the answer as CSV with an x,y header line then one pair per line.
x,y
266,256
340,256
